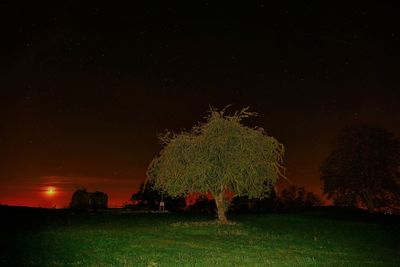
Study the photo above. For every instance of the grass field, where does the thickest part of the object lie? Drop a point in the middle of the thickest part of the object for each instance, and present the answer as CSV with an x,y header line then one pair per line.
x,y
305,239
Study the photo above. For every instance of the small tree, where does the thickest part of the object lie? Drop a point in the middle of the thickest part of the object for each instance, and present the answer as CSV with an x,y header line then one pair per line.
x,y
218,156
98,200
364,168
80,200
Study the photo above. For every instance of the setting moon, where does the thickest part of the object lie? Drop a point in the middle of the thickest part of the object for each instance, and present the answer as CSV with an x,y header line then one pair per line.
x,y
50,191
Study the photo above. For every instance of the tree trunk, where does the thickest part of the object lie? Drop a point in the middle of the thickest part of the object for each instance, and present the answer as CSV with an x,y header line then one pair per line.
x,y
222,207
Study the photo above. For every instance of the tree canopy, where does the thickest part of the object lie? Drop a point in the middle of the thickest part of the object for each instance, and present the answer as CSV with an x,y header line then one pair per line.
x,y
364,168
217,156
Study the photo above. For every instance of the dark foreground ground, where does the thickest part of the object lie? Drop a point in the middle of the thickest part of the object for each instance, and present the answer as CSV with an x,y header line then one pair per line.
x,y
324,237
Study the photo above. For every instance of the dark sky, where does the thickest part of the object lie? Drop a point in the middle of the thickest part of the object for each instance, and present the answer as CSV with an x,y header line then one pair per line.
x,y
86,88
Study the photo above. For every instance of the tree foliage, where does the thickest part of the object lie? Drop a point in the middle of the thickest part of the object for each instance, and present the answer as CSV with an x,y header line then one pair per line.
x,y
364,168
217,156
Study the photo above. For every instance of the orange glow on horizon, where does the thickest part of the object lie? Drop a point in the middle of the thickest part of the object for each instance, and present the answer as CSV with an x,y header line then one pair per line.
x,y
51,191
56,191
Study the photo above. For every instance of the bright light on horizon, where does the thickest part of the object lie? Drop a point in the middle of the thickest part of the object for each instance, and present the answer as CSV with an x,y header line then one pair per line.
x,y
51,191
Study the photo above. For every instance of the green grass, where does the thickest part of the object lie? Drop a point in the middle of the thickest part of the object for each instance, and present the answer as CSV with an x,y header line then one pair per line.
x,y
184,240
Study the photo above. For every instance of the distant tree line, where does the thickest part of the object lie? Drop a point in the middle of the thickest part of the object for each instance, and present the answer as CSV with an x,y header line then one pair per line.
x,y
289,199
292,198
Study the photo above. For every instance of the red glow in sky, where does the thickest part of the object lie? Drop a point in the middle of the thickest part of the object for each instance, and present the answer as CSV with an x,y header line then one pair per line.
x,y
56,191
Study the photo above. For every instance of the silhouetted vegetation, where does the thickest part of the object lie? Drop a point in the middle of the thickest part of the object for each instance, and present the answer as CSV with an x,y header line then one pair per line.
x,y
149,198
246,204
364,170
292,198
203,205
83,200
295,198
218,156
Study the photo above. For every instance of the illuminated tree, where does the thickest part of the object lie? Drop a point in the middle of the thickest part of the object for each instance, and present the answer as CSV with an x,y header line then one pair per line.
x,y
364,168
218,156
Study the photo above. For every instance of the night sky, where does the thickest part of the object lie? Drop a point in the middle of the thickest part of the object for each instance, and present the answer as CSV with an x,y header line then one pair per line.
x,y
86,88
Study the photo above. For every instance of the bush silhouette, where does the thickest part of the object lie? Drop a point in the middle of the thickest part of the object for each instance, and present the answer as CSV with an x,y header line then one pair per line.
x,y
83,200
